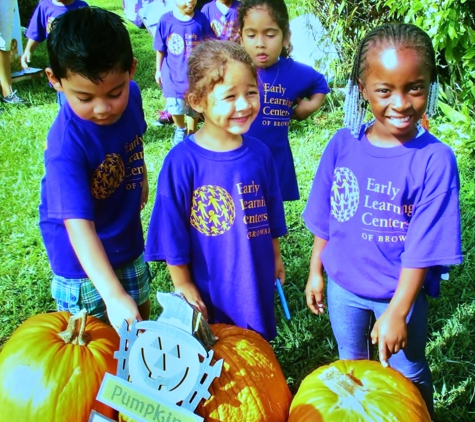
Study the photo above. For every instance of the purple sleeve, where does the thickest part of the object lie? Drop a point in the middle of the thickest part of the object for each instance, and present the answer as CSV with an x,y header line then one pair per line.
x,y
36,29
317,85
168,238
159,43
433,237
317,212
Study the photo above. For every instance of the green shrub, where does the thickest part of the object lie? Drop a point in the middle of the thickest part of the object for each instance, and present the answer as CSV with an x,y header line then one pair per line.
x,y
26,10
451,25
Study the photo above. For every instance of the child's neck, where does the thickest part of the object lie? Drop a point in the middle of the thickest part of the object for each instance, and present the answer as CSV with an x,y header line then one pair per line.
x,y
63,3
217,140
383,140
182,16
223,5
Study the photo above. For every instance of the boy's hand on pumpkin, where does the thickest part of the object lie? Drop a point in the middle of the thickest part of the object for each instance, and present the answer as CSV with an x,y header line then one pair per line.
x,y
314,292
120,308
390,332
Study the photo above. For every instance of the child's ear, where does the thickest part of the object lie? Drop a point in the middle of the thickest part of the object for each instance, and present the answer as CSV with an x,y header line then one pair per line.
x,y
53,80
133,68
362,89
195,105
286,40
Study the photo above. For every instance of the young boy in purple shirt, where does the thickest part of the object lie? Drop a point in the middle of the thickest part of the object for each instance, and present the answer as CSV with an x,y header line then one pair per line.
x,y
95,181
223,16
41,21
178,33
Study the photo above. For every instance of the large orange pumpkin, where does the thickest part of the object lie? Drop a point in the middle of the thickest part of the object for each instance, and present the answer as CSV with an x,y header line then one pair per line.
x,y
46,376
251,388
357,391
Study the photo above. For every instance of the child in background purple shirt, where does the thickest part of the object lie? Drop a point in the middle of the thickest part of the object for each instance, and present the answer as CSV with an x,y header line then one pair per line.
x,y
178,33
218,212
384,208
223,16
41,21
288,89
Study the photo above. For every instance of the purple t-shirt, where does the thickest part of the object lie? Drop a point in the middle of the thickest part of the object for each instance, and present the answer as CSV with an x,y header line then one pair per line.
x,y
94,173
218,212
225,26
382,209
44,15
279,86
177,39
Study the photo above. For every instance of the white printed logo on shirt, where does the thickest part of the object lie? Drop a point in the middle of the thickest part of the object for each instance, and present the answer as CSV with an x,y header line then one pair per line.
x,y
175,43
345,194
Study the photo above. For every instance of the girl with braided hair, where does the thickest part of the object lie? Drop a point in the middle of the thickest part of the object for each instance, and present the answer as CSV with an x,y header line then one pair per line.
x,y
384,207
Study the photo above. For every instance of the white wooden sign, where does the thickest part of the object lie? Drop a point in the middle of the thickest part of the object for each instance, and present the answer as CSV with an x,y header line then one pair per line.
x,y
163,370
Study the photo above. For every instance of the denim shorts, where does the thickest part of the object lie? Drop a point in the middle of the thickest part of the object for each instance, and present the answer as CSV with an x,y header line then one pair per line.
x,y
75,294
178,107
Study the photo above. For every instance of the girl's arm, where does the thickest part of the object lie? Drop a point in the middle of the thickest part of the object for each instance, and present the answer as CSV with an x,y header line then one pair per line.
x,y
181,279
145,189
92,256
390,330
314,291
306,107
160,55
26,56
279,264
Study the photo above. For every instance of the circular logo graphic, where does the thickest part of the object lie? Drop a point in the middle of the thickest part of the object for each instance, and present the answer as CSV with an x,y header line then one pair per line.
x,y
175,43
49,24
108,176
212,210
345,194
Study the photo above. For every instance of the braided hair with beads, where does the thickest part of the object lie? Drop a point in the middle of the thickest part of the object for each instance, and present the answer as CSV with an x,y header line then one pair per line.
x,y
397,35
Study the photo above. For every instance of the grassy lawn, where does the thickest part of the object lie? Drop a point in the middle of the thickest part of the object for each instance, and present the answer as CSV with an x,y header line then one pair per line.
x,y
303,343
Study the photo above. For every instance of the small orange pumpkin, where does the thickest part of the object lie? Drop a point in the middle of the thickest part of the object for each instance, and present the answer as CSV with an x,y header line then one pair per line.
x,y
252,387
48,374
357,390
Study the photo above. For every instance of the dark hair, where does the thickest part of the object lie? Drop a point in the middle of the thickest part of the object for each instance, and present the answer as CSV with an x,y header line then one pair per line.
x,y
278,11
207,65
89,41
398,35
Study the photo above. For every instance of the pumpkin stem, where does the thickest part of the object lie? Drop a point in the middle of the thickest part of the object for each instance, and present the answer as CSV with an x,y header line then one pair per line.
x,y
75,332
202,331
345,387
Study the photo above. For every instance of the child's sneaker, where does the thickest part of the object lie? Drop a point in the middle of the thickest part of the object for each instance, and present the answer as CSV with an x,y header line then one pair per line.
x,y
13,99
164,118
179,135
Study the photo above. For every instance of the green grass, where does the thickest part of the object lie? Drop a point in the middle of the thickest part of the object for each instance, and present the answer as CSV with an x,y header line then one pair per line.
x,y
303,343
